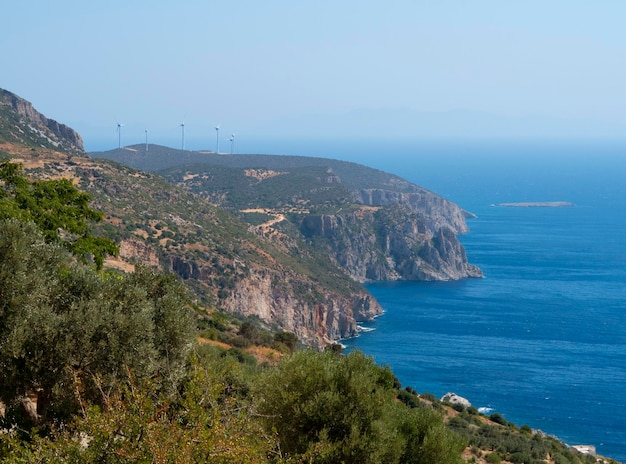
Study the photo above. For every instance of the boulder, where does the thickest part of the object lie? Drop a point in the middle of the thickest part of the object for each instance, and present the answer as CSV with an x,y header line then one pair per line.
x,y
453,398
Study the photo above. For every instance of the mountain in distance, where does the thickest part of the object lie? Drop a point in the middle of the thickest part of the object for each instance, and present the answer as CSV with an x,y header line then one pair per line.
x,y
285,239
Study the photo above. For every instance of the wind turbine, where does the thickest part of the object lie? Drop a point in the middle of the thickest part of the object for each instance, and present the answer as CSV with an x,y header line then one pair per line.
x,y
217,139
232,144
119,133
146,140
183,129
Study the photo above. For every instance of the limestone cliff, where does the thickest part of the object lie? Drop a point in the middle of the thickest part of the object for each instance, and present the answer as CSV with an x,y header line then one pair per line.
x,y
22,123
317,321
401,236
318,315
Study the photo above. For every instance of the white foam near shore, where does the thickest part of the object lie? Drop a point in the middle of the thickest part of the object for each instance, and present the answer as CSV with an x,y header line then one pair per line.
x,y
485,410
360,328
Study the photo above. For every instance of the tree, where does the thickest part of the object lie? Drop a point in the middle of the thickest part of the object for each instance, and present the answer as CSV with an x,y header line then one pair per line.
x,y
59,209
287,339
67,331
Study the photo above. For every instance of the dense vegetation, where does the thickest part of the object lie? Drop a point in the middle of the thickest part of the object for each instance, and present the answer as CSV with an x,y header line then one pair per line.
x,y
236,189
105,356
170,161
497,440
59,209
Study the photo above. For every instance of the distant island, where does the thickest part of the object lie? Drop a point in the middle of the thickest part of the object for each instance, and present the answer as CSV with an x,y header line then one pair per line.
x,y
537,204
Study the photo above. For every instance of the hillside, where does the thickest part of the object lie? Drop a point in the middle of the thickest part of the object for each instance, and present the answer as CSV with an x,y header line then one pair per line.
x,y
258,261
287,284
375,225
21,126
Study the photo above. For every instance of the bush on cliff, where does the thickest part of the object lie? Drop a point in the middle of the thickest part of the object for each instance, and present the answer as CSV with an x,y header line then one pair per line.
x,y
328,408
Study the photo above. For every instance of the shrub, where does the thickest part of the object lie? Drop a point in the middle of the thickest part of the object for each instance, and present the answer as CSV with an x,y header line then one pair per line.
x,y
498,419
329,408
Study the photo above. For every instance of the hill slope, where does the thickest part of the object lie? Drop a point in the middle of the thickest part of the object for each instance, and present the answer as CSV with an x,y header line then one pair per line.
x,y
286,283
22,125
375,225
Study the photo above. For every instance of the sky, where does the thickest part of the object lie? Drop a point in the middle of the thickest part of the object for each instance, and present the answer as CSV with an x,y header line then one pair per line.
x,y
444,68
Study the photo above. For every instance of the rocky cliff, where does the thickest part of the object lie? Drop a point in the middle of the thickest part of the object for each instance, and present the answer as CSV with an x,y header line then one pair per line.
x,y
280,296
308,229
22,123
375,225
397,235
315,315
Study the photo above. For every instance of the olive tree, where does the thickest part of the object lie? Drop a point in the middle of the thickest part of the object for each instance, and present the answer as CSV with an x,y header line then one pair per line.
x,y
68,332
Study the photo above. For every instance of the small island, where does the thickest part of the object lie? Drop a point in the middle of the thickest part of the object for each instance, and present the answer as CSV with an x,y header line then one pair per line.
x,y
537,204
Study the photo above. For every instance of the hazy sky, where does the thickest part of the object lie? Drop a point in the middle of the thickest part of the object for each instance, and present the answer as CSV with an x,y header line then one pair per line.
x,y
277,67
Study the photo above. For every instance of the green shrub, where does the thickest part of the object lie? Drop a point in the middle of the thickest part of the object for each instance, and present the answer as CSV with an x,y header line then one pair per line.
x,y
498,419
326,408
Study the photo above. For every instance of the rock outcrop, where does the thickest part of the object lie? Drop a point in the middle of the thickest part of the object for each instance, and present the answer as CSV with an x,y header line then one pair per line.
x,y
435,211
404,237
453,398
285,299
28,126
136,250
317,321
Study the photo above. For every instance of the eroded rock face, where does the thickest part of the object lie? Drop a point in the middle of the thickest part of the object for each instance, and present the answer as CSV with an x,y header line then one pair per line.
x,y
435,211
398,241
138,251
317,315
316,321
34,127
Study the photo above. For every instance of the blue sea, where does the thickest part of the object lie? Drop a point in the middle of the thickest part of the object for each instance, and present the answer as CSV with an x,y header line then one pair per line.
x,y
542,338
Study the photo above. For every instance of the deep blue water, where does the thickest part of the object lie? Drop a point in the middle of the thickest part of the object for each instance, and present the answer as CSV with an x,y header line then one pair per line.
x,y
542,338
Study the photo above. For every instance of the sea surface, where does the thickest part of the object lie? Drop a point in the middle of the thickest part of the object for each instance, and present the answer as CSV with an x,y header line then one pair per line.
x,y
542,338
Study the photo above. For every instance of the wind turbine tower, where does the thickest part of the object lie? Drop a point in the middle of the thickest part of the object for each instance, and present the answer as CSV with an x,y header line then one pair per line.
x,y
217,139
232,144
183,128
146,140
119,133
